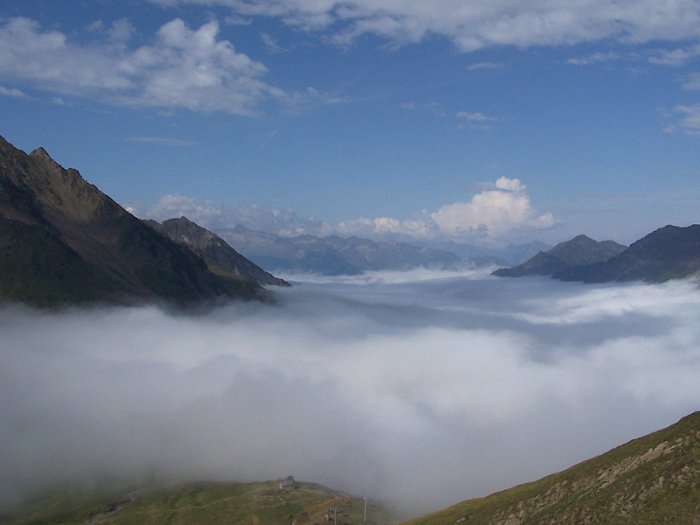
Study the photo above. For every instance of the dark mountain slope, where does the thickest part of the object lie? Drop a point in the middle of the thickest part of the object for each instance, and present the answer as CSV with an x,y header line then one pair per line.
x,y
103,251
220,257
651,480
670,252
579,251
36,267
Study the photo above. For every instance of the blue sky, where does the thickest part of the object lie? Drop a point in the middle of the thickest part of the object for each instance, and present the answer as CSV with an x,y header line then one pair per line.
x,y
473,121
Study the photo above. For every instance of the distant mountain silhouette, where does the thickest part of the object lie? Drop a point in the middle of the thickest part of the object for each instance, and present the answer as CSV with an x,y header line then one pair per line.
x,y
668,253
62,240
332,255
577,252
221,258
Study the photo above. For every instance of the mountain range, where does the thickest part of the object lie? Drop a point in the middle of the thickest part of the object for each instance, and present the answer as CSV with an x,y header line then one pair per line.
x,y
63,241
334,255
579,251
670,252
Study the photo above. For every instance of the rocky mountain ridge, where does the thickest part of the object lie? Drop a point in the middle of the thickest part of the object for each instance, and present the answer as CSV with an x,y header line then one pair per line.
x,y
64,241
220,257
671,252
579,251
334,255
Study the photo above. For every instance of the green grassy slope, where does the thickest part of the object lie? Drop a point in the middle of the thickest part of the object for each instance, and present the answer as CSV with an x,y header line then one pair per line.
x,y
206,503
651,480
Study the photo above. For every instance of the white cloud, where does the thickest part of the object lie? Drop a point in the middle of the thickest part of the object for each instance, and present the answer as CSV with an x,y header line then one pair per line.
x,y
475,116
11,92
494,212
482,23
283,222
499,209
431,108
170,206
675,57
181,68
478,66
422,228
280,221
271,44
689,121
600,58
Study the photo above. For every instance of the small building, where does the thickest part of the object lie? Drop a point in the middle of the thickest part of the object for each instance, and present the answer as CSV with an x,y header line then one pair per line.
x,y
287,483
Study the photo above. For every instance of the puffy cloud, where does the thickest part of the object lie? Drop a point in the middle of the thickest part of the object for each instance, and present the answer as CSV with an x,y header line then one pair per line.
x,y
181,68
497,210
481,23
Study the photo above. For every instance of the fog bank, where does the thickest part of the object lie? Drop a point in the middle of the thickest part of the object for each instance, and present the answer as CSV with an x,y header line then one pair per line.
x,y
421,390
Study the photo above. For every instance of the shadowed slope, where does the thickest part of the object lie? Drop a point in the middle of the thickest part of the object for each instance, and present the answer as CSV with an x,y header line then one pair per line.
x,y
579,251
53,218
219,256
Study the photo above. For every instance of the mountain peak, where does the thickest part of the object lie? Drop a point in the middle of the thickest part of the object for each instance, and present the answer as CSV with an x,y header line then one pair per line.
x,y
71,242
40,152
41,155
579,251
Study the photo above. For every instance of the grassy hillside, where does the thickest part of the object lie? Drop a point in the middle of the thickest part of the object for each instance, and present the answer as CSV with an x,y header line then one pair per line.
x,y
651,480
210,503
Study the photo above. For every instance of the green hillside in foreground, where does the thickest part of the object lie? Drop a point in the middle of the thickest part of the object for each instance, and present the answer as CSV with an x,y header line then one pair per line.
x,y
205,503
651,480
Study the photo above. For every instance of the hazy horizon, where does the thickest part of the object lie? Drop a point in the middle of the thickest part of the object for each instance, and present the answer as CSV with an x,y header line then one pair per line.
x,y
419,389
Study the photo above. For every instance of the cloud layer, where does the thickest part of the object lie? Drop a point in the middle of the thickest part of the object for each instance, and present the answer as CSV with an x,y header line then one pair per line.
x,y
498,210
417,390
474,25
181,68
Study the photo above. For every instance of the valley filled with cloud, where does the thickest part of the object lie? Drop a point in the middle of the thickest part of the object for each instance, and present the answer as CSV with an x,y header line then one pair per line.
x,y
418,389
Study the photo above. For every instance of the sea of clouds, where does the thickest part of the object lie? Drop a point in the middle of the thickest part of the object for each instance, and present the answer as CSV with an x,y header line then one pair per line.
x,y
417,389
